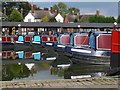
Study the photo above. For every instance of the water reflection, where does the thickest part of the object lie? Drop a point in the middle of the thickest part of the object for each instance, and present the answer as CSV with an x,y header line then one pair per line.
x,y
29,69
13,71
82,69
44,71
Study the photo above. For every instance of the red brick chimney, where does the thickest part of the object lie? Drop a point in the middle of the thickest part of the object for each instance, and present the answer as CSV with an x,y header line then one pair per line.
x,y
22,12
32,8
98,12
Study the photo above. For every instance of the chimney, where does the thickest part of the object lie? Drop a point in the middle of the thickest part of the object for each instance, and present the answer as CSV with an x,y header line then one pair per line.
x,y
98,12
51,8
32,8
4,10
22,12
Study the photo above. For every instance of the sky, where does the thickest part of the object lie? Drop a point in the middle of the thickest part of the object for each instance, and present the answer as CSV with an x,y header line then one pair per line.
x,y
75,0
106,8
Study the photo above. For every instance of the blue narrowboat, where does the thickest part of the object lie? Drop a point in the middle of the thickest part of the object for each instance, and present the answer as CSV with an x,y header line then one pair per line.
x,y
94,48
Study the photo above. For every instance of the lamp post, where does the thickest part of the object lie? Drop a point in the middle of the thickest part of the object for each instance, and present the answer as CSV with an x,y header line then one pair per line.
x,y
19,30
78,28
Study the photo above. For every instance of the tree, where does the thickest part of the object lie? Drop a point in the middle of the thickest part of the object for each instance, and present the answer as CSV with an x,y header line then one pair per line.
x,y
75,20
61,8
52,19
15,16
45,19
101,19
110,20
10,6
73,11
118,19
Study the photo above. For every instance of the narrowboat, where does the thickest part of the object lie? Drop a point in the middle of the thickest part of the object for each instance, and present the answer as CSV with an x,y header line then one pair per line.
x,y
24,39
7,42
63,41
23,43
49,40
94,48
36,40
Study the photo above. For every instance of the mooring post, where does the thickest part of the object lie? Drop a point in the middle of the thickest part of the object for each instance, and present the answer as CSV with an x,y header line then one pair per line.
x,y
115,52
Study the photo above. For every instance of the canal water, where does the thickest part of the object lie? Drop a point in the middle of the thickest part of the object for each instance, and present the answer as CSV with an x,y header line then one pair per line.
x,y
15,68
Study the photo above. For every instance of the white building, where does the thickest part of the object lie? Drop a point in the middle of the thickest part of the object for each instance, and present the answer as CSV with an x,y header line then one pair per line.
x,y
37,15
29,18
59,18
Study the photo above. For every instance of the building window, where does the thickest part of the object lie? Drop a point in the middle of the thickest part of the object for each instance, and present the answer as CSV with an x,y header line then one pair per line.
x,y
23,31
29,20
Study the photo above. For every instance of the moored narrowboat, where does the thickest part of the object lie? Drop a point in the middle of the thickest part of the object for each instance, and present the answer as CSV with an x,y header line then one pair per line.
x,y
49,40
95,49
63,41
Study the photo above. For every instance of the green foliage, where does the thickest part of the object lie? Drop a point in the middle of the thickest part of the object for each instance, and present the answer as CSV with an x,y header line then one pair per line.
x,y
74,11
45,19
75,20
63,9
84,20
10,6
52,19
101,19
118,19
15,16
110,20
13,71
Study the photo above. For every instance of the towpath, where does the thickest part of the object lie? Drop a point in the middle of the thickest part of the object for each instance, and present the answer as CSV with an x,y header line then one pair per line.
x,y
96,82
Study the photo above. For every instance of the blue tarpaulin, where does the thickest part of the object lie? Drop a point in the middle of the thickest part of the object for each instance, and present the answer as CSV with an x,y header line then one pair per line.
x,y
59,38
71,39
21,54
37,56
20,38
37,39
92,41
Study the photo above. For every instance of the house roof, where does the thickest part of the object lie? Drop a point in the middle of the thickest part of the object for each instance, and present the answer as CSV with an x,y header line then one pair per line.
x,y
71,18
41,13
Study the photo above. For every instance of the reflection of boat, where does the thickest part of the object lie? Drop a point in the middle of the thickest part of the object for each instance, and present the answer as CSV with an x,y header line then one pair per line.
x,y
51,58
30,65
63,66
84,70
24,57
21,55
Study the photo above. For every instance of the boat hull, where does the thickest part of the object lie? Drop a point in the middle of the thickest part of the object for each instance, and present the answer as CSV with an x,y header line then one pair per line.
x,y
90,59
